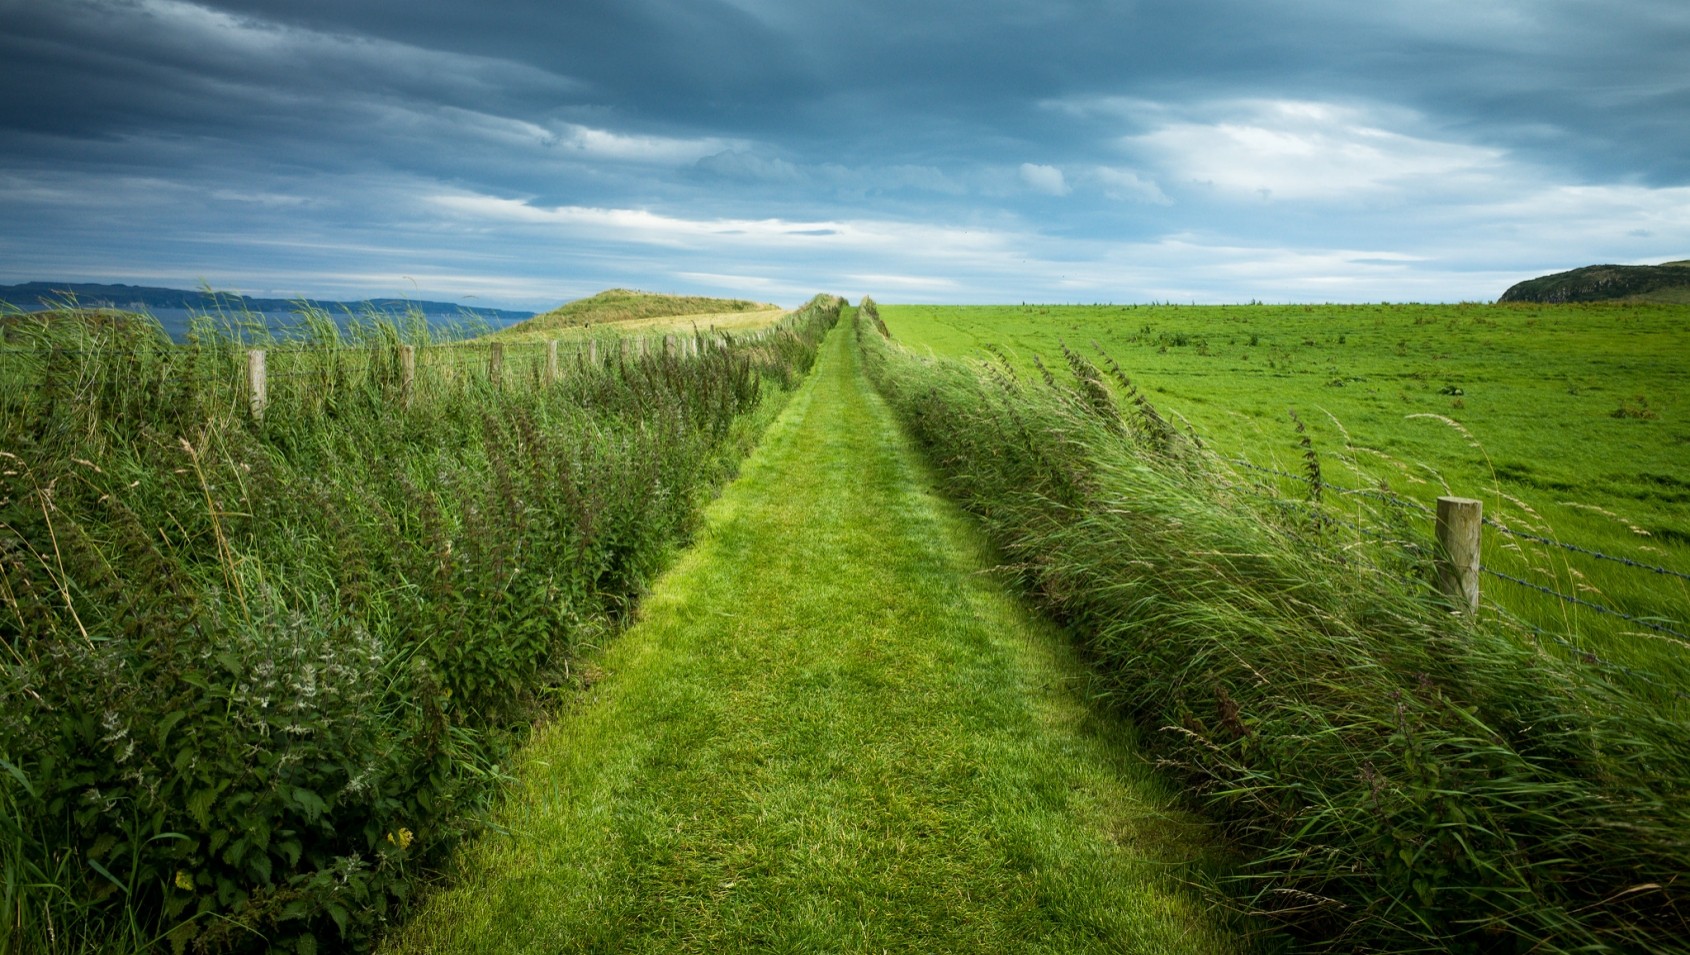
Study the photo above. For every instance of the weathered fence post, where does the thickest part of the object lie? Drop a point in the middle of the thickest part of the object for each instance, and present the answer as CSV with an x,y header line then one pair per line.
x,y
257,383
593,352
622,348
1460,521
551,362
495,362
668,346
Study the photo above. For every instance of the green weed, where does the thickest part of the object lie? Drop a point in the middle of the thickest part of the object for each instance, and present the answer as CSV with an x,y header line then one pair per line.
x,y
259,673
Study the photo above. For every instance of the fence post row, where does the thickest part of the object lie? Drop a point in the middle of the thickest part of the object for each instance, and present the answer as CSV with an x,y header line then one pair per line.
x,y
1459,523
258,386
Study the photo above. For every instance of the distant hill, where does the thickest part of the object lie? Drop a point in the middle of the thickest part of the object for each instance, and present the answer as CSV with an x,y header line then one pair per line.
x,y
625,305
1668,282
39,296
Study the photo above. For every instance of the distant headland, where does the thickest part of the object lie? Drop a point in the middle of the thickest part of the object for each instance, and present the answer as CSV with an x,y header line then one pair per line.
x,y
42,296
1667,282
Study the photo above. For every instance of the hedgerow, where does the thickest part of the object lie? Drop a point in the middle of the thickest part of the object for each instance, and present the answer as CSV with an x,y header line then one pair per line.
x,y
1396,777
259,672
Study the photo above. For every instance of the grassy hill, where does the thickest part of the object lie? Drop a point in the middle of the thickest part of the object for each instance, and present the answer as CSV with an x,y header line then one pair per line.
x,y
626,305
1667,282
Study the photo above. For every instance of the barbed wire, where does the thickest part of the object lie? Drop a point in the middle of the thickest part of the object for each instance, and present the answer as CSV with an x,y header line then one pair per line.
x,y
1339,488
1488,521
1642,621
1584,653
1627,561
1319,514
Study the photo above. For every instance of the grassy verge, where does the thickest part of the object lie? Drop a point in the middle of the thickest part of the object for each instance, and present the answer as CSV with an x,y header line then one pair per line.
x,y
830,733
1403,779
1567,421
256,673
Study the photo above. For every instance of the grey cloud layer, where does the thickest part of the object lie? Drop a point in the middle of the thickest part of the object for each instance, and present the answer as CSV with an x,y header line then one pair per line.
x,y
1225,123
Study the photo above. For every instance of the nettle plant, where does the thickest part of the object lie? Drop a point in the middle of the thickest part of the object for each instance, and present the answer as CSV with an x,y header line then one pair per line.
x,y
256,673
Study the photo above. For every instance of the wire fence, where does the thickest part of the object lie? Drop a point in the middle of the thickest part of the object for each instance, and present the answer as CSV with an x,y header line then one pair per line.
x,y
1587,604
1574,548
74,358
1403,545
1582,653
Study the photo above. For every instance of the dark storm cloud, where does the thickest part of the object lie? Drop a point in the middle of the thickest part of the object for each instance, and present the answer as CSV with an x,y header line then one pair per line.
x,y
1326,134
909,78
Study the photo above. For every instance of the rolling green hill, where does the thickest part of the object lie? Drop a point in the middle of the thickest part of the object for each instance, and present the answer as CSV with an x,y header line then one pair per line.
x,y
623,305
1667,282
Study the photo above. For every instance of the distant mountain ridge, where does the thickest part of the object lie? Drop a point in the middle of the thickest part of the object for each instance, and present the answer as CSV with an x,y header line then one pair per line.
x,y
35,296
1667,282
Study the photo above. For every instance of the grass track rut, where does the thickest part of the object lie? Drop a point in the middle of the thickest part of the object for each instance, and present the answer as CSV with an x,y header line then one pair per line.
x,y
830,732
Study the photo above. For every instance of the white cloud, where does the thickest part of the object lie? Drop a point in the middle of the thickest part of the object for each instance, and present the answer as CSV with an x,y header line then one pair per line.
x,y
1288,149
257,198
1046,179
886,280
738,282
643,225
1127,185
746,166
605,144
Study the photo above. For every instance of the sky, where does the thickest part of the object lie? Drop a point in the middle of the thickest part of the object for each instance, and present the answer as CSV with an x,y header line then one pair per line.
x,y
522,153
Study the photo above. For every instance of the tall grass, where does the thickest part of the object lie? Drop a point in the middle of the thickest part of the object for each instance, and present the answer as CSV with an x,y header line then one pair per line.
x,y
1399,777
257,674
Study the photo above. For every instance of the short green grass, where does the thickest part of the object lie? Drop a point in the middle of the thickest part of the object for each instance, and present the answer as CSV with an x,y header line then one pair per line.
x,y
832,731
1569,421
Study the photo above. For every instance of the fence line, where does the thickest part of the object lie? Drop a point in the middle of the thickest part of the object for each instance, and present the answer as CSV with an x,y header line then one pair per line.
x,y
1627,561
1359,491
1589,656
1466,541
1487,520
1569,598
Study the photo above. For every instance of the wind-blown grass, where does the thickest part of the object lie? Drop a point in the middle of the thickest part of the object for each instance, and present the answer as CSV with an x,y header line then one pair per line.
x,y
1401,778
257,673
1567,421
829,732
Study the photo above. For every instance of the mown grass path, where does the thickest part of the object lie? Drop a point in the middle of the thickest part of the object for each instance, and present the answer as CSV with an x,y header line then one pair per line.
x,y
830,732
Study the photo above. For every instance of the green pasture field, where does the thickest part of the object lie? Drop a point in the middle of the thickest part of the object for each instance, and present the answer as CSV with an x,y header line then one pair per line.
x,y
1567,421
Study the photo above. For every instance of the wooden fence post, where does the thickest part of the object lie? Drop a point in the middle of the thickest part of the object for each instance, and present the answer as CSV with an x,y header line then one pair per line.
x,y
593,351
551,362
1460,521
257,383
407,373
668,346
495,362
